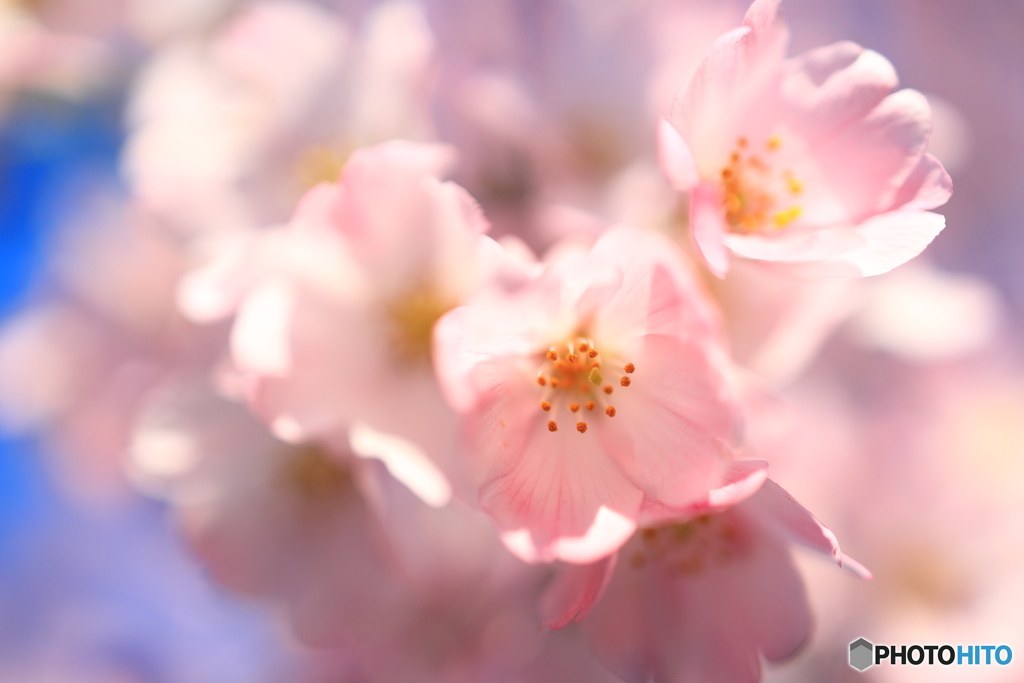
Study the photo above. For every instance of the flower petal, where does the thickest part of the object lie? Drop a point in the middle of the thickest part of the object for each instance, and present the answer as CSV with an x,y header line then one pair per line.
x,y
707,225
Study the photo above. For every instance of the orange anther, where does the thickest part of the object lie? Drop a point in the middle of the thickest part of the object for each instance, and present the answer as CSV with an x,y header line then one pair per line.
x,y
552,355
574,407
593,353
572,358
545,406
583,347
581,427
629,368
610,411
554,382
552,426
541,380
624,381
608,388
590,405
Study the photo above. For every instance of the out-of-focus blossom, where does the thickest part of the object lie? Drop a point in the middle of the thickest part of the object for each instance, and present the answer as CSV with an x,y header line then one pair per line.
x,y
73,367
704,599
32,56
357,561
592,396
811,162
335,312
229,133
925,314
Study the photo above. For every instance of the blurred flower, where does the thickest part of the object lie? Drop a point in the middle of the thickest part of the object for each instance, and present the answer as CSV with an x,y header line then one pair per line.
x,y
706,598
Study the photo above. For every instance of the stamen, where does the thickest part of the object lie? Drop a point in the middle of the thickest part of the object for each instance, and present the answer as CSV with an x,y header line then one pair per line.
x,y
541,380
583,347
783,218
581,427
554,382
593,353
552,355
595,376
610,411
629,368
773,143
624,381
590,405
545,406
794,185
741,142
574,407
608,388
552,426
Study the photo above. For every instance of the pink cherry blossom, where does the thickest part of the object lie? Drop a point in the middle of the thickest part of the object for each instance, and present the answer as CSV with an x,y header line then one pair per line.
x,y
704,599
592,396
812,162
334,312
353,558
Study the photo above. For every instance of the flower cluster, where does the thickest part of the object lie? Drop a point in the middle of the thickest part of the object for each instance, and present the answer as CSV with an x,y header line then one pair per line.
x,y
319,326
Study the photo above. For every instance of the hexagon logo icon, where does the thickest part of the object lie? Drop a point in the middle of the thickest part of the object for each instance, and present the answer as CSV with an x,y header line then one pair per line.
x,y
861,654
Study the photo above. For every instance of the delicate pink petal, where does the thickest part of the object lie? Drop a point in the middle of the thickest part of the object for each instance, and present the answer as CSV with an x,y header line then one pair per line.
x,y
828,87
796,246
574,501
672,422
740,480
927,187
889,240
574,591
676,159
733,75
259,340
868,161
777,508
707,224
405,461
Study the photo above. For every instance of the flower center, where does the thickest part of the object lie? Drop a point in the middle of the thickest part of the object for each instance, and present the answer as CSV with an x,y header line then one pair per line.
x,y
757,197
411,319
319,165
578,379
690,548
316,477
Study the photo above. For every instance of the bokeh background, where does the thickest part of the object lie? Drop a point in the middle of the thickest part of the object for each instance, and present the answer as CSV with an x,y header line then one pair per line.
x,y
910,418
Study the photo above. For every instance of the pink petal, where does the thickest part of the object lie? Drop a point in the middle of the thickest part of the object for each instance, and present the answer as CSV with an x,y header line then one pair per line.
x,y
927,187
555,495
828,87
260,341
740,480
672,422
707,225
868,162
733,75
889,240
574,591
675,157
781,512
